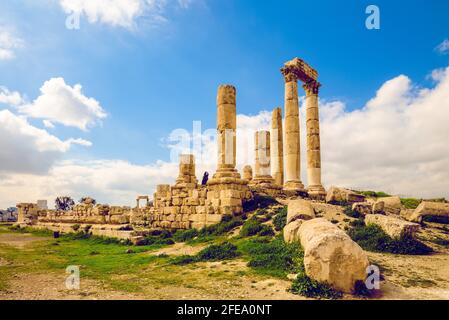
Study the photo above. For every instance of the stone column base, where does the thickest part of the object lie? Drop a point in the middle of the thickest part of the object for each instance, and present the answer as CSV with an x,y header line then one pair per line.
x,y
293,185
317,192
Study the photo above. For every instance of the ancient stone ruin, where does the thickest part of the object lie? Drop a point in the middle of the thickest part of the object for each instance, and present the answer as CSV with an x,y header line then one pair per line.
x,y
188,204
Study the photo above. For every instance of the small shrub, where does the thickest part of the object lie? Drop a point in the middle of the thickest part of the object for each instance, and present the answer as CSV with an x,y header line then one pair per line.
x,y
224,251
280,220
373,238
183,260
351,213
185,235
220,228
266,231
410,203
374,194
259,201
310,288
250,228
76,227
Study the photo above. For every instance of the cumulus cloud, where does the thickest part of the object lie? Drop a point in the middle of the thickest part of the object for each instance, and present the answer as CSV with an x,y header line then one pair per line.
x,y
443,47
10,97
8,44
61,103
397,142
25,148
120,13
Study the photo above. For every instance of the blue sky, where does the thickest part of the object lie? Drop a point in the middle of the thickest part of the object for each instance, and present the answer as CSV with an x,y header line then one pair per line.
x,y
157,76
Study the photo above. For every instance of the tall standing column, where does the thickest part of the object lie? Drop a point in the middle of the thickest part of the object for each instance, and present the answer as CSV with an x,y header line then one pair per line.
x,y
226,132
262,158
277,147
292,142
315,188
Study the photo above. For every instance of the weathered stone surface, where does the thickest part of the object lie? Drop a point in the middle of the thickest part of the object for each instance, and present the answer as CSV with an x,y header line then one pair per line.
x,y
362,208
248,173
277,147
394,227
338,195
378,207
292,132
428,208
299,209
291,231
330,256
315,188
392,205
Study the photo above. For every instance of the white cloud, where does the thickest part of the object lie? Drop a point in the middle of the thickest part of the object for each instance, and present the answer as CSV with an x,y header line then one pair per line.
x,y
8,44
10,98
443,47
121,13
396,143
109,181
61,103
25,148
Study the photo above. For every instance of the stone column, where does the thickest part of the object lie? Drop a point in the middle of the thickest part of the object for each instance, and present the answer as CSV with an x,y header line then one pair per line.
x,y
315,188
277,147
292,142
226,132
263,158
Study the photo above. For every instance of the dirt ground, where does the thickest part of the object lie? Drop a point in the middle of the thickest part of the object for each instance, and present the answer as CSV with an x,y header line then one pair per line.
x,y
405,277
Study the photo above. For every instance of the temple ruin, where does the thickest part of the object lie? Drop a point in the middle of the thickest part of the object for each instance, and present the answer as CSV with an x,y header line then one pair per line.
x,y
188,204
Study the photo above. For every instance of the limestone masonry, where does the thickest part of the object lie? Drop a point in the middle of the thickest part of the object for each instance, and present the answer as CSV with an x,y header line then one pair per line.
x,y
188,204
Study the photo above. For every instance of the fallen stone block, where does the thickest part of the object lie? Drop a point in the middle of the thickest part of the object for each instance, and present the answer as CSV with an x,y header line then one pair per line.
x,y
428,208
394,227
330,255
299,209
291,231
392,205
341,195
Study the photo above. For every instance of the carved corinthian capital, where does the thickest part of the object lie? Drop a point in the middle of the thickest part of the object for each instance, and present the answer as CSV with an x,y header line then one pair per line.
x,y
289,74
312,87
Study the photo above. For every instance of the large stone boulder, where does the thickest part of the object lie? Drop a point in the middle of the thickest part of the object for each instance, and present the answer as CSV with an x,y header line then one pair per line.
x,y
330,255
299,209
394,227
429,208
392,205
341,195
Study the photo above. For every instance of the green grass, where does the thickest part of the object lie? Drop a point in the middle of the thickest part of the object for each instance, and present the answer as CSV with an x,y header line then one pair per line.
x,y
373,238
410,203
272,257
374,194
309,288
99,258
216,252
185,235
253,227
280,219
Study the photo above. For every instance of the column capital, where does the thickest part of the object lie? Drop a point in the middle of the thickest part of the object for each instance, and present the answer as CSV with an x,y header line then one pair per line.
x,y
289,74
312,87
